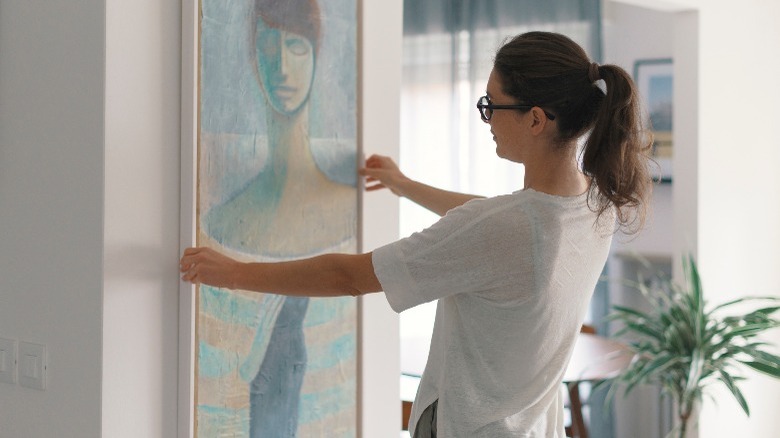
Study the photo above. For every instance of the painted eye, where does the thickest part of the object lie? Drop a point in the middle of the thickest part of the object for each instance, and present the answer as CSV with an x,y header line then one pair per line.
x,y
297,46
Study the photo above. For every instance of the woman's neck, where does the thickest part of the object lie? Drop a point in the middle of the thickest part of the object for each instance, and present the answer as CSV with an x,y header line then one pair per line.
x,y
555,172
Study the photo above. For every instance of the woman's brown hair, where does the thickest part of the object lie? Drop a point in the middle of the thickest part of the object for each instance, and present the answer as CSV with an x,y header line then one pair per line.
x,y
553,72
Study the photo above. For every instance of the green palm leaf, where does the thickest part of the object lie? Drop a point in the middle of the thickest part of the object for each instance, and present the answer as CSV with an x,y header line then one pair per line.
x,y
764,368
729,382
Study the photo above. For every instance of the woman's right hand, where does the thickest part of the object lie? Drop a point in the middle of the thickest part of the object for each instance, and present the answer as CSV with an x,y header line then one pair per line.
x,y
382,172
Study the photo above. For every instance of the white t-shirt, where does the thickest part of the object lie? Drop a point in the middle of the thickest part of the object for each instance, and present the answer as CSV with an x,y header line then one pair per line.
x,y
513,275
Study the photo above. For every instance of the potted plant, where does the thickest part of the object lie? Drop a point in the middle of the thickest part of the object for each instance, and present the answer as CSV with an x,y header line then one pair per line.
x,y
685,346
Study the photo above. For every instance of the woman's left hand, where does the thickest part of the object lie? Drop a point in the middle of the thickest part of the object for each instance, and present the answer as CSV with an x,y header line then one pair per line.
x,y
205,265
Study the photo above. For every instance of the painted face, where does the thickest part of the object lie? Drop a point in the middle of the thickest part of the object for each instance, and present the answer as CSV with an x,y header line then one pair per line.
x,y
285,62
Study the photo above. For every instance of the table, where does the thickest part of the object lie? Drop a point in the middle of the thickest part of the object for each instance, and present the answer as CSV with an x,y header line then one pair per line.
x,y
594,358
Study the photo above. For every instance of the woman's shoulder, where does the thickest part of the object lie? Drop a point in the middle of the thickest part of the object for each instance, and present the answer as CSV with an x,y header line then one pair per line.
x,y
524,208
496,210
516,201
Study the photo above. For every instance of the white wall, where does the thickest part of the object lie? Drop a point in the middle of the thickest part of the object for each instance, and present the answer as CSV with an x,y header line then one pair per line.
x,y
381,67
737,232
89,133
141,218
51,214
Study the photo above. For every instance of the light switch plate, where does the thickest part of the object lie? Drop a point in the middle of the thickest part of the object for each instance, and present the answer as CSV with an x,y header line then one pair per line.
x,y
32,365
8,360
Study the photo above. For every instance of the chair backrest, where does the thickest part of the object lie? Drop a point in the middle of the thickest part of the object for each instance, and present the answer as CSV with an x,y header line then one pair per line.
x,y
577,427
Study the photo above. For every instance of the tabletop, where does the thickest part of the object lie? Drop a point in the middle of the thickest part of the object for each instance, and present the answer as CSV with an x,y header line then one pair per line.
x,y
596,358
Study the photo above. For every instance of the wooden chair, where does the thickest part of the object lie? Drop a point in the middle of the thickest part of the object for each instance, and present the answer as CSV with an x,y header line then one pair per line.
x,y
406,412
577,427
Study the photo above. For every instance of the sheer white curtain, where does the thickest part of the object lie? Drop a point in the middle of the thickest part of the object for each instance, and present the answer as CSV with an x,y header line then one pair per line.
x,y
448,51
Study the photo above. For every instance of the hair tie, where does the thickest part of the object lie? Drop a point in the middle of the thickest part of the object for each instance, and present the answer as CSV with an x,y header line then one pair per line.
x,y
593,72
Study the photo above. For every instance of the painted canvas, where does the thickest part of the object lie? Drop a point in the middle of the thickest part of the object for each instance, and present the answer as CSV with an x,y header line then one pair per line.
x,y
277,155
654,78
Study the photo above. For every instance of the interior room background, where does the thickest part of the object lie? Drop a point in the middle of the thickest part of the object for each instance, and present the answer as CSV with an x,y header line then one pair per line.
x,y
89,196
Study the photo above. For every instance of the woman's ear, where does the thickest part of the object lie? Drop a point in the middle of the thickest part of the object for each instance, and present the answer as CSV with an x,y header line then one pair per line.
x,y
538,120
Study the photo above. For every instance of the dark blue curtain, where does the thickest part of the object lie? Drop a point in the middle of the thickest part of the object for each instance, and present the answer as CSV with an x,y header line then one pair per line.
x,y
441,16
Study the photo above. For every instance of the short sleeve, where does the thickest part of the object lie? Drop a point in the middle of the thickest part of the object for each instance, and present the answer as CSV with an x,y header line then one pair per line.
x,y
471,249
394,277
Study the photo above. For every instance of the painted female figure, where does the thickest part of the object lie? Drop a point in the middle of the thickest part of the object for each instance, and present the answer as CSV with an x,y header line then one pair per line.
x,y
290,208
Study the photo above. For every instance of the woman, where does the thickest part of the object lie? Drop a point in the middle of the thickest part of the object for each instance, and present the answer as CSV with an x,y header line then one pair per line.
x,y
513,274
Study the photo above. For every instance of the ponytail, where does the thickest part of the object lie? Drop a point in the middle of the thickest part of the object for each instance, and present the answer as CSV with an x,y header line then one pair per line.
x,y
615,155
553,72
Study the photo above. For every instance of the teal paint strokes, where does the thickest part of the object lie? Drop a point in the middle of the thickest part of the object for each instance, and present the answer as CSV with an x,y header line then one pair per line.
x,y
229,224
321,405
330,355
217,422
337,159
334,91
228,306
322,311
214,362
227,71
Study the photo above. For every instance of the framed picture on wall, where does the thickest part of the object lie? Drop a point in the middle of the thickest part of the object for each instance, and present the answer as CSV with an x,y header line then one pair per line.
x,y
270,152
654,79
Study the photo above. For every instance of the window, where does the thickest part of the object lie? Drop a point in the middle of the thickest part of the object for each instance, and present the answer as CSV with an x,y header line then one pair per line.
x,y
448,51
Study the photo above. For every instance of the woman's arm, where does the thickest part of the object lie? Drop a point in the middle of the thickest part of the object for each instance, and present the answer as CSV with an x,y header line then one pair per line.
x,y
382,172
329,275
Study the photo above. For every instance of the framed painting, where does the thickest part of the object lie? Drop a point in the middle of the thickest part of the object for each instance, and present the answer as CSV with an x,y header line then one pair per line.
x,y
654,79
270,150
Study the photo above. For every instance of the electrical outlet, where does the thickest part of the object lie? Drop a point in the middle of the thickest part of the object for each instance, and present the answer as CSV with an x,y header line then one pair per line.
x,y
32,365
8,360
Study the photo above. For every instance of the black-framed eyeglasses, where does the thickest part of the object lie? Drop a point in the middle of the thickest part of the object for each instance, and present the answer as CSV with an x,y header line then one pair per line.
x,y
486,107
